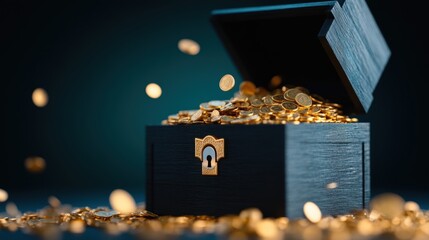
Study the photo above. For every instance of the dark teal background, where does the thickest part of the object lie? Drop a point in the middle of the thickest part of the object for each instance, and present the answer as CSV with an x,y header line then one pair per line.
x,y
95,58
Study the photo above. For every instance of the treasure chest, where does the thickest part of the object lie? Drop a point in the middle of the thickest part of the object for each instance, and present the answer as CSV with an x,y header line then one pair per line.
x,y
332,48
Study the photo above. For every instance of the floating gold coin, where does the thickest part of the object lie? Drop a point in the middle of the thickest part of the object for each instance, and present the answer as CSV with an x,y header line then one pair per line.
x,y
188,46
197,115
290,94
290,106
227,82
247,88
303,100
3,195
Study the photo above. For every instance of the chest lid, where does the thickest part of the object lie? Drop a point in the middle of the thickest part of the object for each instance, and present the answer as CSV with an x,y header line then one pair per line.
x,y
334,49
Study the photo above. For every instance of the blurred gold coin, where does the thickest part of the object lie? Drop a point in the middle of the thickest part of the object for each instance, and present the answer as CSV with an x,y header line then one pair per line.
x,y
247,88
290,106
303,99
276,81
276,108
279,98
3,195
227,82
197,115
40,97
35,164
388,205
312,212
290,94
188,46
122,202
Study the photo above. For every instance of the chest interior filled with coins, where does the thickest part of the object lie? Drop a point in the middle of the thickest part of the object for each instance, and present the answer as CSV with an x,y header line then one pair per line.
x,y
252,105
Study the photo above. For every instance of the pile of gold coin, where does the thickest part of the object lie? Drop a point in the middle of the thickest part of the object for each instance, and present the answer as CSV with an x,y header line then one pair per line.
x,y
389,217
252,105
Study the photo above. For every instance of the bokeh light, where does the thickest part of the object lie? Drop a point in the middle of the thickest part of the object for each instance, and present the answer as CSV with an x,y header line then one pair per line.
x,y
40,97
122,202
312,212
276,81
189,46
3,195
153,90
35,164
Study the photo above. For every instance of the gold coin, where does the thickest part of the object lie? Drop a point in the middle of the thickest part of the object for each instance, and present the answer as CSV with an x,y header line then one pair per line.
x,y
290,106
215,118
215,113
246,113
303,99
197,115
257,103
205,107
217,104
227,82
228,107
265,110
315,109
290,94
276,108
247,88
267,100
278,98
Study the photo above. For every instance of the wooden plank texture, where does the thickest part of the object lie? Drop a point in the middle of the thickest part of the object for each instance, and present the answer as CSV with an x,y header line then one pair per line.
x,y
317,155
272,167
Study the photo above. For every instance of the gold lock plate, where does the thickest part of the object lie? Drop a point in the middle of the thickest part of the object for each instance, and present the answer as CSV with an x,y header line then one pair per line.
x,y
205,148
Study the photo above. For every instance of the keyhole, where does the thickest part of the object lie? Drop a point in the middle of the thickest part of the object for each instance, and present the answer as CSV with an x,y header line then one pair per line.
x,y
209,160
